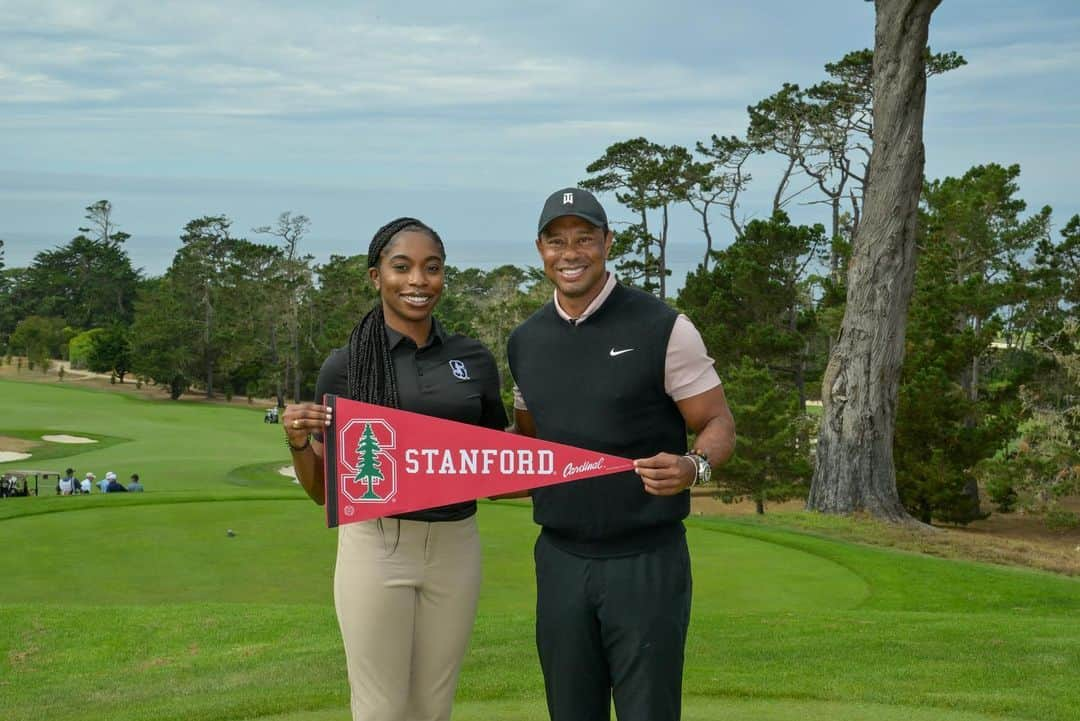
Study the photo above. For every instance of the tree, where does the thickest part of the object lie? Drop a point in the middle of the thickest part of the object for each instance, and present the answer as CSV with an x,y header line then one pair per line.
x,y
342,295
295,283
718,181
824,133
645,177
974,235
163,337
754,302
38,338
101,225
1054,290
210,314
79,347
1041,465
251,281
770,465
855,468
87,283
952,414
110,352
197,273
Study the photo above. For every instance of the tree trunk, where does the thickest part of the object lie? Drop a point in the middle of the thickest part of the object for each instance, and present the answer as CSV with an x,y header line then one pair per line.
x,y
859,391
973,391
662,259
834,256
208,339
708,236
645,235
279,383
294,332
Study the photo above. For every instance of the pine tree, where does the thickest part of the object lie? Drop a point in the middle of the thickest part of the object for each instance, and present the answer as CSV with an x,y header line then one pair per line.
x,y
770,464
367,452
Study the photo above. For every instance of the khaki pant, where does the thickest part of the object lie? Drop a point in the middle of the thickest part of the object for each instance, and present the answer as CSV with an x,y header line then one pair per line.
x,y
406,594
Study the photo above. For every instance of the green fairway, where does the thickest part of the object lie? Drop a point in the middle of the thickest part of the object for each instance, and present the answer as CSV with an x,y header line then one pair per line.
x,y
173,446
140,606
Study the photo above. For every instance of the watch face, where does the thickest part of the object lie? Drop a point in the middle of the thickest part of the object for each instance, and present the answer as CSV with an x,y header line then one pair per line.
x,y
704,470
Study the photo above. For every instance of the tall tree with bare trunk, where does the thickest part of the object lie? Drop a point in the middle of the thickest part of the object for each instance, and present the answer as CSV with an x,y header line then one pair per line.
x,y
855,470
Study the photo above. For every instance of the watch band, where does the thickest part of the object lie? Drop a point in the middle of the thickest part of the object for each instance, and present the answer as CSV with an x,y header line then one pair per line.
x,y
297,449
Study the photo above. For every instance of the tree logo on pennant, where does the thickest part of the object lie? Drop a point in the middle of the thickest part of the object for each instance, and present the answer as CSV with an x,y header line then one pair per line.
x,y
367,454
369,472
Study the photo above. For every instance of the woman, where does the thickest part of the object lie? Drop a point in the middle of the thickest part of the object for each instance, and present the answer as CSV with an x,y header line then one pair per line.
x,y
405,587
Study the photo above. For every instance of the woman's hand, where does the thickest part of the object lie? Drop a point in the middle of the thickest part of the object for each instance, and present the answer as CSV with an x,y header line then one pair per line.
x,y
300,420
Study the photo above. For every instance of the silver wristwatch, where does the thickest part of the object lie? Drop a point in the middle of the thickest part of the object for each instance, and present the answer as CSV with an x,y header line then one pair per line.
x,y
702,469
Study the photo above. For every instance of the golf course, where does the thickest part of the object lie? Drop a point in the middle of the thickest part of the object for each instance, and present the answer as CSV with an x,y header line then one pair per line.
x,y
138,607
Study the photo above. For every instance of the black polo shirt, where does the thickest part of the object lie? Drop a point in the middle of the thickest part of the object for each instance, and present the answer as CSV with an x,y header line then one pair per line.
x,y
451,376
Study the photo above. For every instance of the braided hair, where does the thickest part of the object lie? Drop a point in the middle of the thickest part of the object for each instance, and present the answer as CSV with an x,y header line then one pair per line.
x,y
370,371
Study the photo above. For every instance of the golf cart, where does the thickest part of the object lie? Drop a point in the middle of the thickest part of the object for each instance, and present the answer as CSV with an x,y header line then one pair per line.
x,y
17,483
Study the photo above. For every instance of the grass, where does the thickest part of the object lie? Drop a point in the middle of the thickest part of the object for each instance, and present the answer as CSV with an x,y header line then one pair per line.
x,y
1063,558
43,450
175,446
139,607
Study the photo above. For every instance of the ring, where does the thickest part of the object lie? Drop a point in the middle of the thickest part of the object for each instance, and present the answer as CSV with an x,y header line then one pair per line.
x,y
295,423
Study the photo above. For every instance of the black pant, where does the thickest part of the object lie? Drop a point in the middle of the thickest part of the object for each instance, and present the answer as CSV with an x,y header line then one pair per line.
x,y
613,628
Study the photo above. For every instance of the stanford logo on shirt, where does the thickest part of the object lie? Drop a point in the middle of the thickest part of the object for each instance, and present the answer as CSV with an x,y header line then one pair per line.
x,y
459,370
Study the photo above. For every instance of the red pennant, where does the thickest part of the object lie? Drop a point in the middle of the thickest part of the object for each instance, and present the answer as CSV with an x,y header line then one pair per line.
x,y
383,461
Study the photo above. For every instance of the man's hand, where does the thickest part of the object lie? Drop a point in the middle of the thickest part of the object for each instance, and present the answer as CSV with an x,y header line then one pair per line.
x,y
665,474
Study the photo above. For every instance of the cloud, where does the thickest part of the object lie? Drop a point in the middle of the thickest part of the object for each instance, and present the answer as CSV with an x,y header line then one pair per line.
x,y
1019,60
459,97
208,61
998,26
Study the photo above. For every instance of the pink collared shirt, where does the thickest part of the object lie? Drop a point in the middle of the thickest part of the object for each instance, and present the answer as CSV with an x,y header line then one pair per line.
x,y
688,369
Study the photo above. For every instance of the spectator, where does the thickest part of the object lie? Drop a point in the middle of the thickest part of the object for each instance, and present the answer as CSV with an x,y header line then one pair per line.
x,y
68,484
114,485
134,486
88,483
103,484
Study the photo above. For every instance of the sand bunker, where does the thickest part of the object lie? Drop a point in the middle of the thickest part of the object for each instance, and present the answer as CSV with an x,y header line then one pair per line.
x,y
290,472
67,439
7,456
17,445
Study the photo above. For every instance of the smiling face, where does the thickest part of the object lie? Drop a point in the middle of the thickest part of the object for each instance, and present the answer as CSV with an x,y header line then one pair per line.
x,y
409,278
574,252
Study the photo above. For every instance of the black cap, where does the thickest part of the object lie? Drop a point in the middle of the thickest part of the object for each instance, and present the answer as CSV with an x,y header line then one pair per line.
x,y
572,201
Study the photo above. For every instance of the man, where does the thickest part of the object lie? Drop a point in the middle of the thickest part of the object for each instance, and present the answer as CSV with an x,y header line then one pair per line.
x,y
114,485
88,483
134,486
103,484
615,370
69,484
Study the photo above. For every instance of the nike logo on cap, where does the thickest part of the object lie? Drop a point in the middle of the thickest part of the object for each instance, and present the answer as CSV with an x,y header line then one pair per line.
x,y
614,352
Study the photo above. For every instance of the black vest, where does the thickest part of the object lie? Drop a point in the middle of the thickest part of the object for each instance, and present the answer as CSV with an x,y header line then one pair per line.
x,y
599,384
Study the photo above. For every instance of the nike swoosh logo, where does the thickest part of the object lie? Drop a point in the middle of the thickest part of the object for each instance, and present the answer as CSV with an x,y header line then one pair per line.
x,y
614,352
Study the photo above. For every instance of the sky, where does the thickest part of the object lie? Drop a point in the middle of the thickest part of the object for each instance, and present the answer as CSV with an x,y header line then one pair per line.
x,y
466,115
